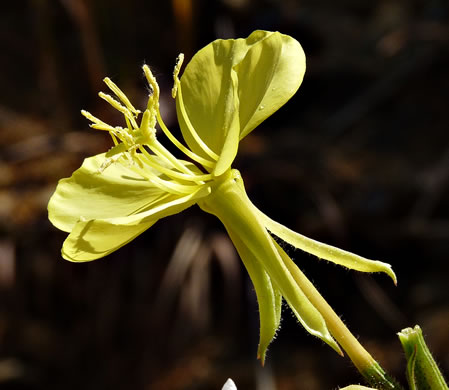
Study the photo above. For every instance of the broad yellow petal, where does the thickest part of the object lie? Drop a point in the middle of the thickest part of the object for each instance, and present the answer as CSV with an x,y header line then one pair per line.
x,y
230,86
268,76
92,239
89,194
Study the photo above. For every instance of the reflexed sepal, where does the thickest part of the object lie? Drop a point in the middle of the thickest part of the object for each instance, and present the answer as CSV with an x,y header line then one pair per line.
x,y
230,204
268,296
324,251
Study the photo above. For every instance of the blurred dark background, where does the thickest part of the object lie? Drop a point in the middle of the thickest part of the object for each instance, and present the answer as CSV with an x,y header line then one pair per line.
x,y
359,158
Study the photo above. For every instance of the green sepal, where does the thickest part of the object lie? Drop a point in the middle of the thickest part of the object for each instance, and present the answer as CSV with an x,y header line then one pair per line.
x,y
304,311
268,296
325,251
231,205
411,364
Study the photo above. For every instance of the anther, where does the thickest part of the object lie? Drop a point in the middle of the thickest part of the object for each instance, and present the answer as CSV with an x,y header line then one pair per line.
x,y
114,103
118,92
147,125
152,81
176,71
96,123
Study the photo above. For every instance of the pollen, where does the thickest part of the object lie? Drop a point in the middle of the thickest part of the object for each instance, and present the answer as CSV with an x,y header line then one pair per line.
x,y
176,71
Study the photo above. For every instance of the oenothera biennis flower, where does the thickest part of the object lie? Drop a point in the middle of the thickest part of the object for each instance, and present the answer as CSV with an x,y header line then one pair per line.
x,y
228,88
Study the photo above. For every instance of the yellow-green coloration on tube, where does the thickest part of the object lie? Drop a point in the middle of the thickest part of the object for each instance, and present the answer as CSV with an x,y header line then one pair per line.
x,y
227,89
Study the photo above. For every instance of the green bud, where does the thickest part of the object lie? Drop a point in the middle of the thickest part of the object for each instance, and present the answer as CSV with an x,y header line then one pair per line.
x,y
422,371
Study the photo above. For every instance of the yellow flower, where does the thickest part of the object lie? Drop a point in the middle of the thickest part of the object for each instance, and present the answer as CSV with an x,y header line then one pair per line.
x,y
228,88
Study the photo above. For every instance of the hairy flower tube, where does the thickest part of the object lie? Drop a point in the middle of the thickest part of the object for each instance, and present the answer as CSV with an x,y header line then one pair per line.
x,y
228,88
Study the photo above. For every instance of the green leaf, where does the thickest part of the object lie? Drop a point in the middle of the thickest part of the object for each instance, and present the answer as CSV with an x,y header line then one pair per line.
x,y
324,251
230,86
115,192
268,296
92,239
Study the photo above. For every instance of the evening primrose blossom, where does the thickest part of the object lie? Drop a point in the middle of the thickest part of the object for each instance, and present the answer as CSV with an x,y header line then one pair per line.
x,y
228,88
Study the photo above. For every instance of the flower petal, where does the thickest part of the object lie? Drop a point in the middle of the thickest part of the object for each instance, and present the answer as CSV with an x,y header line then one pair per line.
x,y
251,78
92,239
324,251
231,142
209,95
117,191
268,296
268,76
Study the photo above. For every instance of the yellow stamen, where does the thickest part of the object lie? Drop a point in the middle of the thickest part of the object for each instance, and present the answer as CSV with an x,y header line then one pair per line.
x,y
114,138
181,147
172,187
119,107
123,136
147,125
118,92
153,106
176,91
162,152
153,83
96,123
178,65
136,139
149,159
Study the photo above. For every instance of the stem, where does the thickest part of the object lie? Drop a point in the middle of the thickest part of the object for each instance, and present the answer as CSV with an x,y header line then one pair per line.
x,y
364,362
